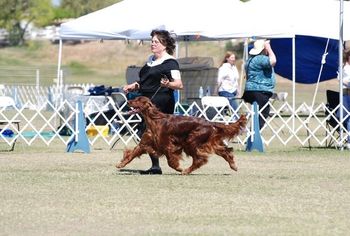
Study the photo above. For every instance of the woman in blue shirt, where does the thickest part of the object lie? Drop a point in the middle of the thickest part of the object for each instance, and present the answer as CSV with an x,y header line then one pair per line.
x,y
260,77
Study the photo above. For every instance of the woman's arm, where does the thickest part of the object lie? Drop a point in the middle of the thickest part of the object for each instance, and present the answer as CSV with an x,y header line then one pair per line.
x,y
270,53
222,74
176,84
131,87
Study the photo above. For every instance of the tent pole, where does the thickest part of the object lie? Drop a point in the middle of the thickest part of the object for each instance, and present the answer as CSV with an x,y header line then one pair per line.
x,y
59,74
340,67
59,62
293,78
176,49
244,59
177,92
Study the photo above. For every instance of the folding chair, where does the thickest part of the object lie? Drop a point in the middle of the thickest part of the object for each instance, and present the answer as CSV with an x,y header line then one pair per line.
x,y
126,124
280,96
216,108
79,90
277,97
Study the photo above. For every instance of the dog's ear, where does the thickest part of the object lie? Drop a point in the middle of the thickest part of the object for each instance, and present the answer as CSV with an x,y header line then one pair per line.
x,y
144,103
148,104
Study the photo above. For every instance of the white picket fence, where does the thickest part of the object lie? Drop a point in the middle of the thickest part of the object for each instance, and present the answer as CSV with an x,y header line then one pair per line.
x,y
45,116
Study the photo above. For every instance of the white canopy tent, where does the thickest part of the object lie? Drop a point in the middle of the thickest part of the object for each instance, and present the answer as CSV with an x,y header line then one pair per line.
x,y
188,19
192,20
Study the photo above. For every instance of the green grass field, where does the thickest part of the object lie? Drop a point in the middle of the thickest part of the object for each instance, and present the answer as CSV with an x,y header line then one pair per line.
x,y
280,192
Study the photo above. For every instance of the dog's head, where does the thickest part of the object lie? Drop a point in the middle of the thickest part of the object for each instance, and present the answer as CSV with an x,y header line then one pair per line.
x,y
140,104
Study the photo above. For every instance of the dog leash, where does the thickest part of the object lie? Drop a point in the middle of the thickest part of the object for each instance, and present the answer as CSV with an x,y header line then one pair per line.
x,y
131,112
155,93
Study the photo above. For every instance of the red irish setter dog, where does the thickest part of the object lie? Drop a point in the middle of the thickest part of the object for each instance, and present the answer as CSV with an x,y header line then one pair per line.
x,y
170,135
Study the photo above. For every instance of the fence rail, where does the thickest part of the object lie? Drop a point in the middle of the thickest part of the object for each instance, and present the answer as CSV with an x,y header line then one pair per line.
x,y
43,119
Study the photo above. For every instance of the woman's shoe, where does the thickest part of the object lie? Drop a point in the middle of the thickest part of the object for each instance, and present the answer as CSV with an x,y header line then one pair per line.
x,y
151,171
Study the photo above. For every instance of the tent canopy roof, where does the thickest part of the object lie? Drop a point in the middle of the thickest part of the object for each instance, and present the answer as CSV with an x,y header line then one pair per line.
x,y
212,20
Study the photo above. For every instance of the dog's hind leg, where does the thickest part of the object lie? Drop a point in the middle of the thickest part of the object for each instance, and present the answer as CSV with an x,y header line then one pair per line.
x,y
197,162
174,161
226,153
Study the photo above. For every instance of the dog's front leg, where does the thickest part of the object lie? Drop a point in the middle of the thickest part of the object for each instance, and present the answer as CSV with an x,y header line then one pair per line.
x,y
129,155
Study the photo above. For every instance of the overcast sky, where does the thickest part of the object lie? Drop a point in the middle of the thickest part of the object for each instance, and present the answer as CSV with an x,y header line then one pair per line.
x,y
56,2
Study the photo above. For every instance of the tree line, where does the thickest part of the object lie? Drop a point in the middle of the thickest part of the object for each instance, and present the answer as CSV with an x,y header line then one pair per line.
x,y
17,15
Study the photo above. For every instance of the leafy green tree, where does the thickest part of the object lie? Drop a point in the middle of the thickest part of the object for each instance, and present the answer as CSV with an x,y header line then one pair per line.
x,y
17,15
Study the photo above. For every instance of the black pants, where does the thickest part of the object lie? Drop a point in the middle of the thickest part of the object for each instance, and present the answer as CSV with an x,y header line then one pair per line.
x,y
261,98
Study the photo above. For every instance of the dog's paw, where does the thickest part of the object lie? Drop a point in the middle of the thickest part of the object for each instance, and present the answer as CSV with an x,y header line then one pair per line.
x,y
119,166
234,167
185,172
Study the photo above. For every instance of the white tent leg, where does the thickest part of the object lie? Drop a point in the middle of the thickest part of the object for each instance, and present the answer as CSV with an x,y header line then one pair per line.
x,y
176,49
178,94
58,79
243,74
293,85
340,68
59,62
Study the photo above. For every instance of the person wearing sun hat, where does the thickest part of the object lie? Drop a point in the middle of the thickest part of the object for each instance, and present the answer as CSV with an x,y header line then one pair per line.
x,y
260,77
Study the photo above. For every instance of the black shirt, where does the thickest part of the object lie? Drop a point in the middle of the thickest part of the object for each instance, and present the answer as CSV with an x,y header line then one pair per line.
x,y
150,77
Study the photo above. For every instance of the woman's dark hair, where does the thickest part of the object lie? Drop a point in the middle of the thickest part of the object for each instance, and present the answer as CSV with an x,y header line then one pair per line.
x,y
165,39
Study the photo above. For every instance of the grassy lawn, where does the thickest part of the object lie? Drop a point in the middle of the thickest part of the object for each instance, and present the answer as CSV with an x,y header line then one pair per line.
x,y
280,192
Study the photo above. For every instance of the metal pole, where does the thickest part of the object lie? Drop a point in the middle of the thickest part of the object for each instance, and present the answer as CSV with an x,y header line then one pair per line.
x,y
37,84
177,92
186,40
59,63
293,78
340,67
176,49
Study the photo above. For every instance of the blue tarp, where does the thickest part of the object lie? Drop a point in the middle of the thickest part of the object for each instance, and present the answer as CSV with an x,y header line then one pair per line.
x,y
308,57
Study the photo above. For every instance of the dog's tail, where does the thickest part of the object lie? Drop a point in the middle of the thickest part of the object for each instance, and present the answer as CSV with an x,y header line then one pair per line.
x,y
233,129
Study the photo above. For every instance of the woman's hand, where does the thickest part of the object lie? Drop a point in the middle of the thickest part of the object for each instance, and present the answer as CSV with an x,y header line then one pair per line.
x,y
270,53
164,82
131,87
267,45
176,84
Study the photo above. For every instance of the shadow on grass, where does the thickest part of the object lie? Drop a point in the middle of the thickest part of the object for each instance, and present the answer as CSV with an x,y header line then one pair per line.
x,y
138,172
